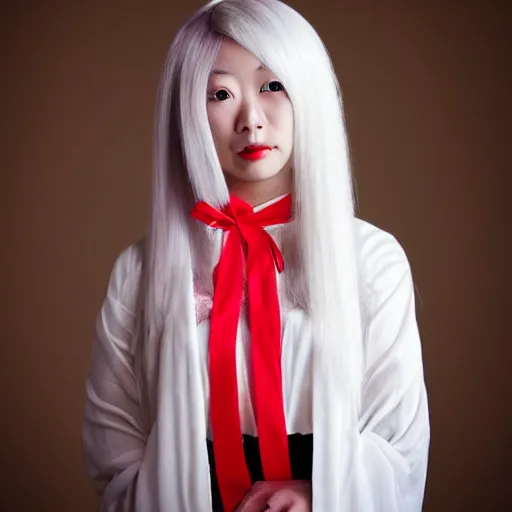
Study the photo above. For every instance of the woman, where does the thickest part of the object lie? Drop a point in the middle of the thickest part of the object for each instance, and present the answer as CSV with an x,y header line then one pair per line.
x,y
258,314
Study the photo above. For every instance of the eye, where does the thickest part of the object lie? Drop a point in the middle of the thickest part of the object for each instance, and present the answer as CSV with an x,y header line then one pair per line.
x,y
220,95
272,86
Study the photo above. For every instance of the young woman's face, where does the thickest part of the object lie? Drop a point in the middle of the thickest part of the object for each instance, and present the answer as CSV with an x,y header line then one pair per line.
x,y
248,106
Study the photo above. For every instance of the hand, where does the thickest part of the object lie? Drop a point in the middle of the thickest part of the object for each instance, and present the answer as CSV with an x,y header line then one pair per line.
x,y
278,496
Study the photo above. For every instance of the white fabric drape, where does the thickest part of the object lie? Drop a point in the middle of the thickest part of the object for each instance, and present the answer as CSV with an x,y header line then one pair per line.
x,y
379,466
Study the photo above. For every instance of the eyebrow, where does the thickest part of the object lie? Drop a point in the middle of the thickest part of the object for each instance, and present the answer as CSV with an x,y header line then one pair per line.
x,y
224,72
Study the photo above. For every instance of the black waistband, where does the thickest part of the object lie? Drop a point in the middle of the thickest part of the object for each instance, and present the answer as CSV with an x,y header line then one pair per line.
x,y
301,458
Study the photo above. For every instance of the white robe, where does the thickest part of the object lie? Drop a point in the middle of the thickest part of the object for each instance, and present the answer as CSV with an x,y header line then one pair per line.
x,y
164,468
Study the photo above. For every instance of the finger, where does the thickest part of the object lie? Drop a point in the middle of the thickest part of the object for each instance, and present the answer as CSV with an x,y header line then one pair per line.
x,y
280,501
299,507
256,499
291,507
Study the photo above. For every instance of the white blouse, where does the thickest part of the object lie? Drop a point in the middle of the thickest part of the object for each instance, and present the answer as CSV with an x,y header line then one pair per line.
x,y
165,468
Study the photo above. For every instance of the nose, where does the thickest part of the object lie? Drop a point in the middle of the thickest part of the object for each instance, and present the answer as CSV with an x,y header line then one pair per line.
x,y
250,117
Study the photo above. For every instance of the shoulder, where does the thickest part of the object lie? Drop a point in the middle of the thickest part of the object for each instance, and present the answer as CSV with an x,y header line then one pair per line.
x,y
382,259
125,275
374,243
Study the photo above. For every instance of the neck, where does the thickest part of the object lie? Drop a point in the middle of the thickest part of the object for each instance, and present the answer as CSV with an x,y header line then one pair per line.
x,y
259,192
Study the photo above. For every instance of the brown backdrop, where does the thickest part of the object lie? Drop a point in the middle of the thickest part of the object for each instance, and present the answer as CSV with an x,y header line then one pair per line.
x,y
426,87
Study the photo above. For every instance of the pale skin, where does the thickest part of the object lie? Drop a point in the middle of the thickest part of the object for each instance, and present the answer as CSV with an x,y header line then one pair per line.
x,y
247,104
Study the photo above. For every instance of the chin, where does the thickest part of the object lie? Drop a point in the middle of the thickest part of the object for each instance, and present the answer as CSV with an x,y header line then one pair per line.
x,y
257,171
253,176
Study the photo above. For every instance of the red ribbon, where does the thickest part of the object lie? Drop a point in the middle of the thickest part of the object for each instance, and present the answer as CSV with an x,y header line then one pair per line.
x,y
247,240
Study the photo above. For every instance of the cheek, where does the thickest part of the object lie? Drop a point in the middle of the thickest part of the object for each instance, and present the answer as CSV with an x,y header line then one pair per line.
x,y
285,121
288,116
281,112
214,127
221,119
218,126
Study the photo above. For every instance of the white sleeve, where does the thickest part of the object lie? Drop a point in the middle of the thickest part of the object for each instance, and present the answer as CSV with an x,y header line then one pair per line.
x,y
385,458
114,437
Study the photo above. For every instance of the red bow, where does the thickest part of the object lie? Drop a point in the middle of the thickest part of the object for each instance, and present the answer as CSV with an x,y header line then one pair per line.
x,y
246,240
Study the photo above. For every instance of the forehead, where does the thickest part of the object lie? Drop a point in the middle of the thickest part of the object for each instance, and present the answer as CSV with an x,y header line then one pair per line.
x,y
235,59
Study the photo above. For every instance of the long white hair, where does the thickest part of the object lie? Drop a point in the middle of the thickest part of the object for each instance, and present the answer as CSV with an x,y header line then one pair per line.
x,y
323,269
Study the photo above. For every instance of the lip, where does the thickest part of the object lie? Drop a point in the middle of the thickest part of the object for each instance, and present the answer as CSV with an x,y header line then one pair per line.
x,y
254,152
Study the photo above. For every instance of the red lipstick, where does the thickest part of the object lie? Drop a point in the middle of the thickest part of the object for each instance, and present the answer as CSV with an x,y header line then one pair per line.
x,y
254,152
